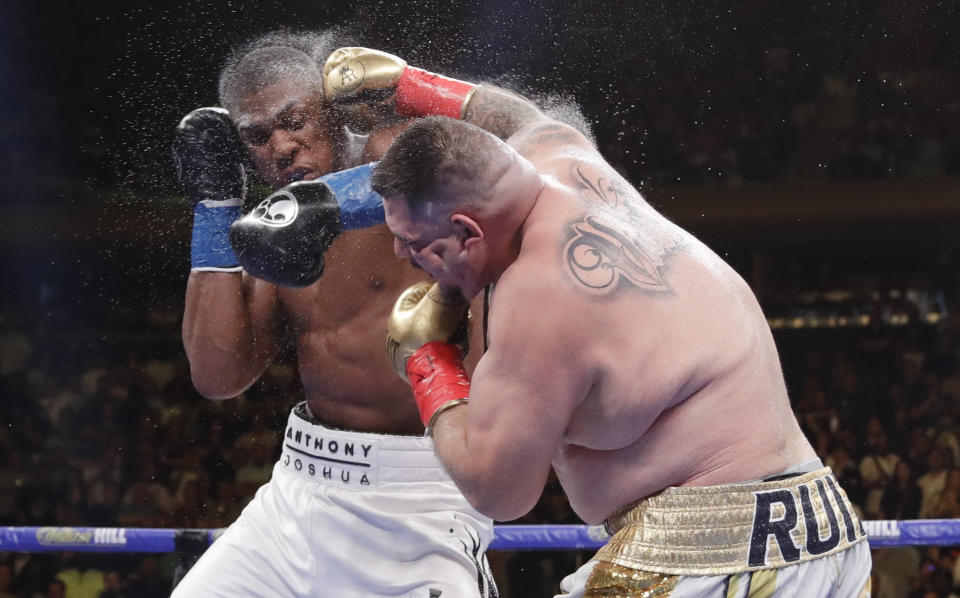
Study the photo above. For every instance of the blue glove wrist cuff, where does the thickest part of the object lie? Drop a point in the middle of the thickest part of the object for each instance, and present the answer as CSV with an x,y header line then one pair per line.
x,y
360,206
210,247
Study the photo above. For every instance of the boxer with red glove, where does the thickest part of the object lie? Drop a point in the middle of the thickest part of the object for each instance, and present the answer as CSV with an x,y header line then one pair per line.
x,y
363,80
622,353
356,76
426,342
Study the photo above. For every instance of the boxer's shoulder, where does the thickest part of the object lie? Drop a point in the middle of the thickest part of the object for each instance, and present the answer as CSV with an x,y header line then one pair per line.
x,y
379,141
532,292
541,140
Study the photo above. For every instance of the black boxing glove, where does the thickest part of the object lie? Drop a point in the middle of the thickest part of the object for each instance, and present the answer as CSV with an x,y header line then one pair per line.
x,y
284,238
211,165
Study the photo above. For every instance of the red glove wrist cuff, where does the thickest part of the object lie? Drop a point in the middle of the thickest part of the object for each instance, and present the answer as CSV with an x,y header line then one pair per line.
x,y
422,93
438,379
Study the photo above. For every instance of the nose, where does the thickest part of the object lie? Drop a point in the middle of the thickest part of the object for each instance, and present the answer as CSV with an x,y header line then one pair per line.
x,y
283,146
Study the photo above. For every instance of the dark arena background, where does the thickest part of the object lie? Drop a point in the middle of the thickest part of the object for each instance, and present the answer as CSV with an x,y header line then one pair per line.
x,y
814,145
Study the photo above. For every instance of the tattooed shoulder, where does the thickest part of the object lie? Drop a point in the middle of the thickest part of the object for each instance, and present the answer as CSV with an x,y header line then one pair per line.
x,y
602,185
616,244
599,257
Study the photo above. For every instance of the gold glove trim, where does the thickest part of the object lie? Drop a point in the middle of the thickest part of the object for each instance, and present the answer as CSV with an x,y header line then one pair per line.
x,y
445,407
734,528
466,101
446,296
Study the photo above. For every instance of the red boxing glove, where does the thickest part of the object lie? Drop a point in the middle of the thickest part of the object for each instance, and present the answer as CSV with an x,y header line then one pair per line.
x,y
421,93
351,73
438,379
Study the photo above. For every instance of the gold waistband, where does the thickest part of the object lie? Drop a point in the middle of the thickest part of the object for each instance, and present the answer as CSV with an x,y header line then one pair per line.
x,y
719,530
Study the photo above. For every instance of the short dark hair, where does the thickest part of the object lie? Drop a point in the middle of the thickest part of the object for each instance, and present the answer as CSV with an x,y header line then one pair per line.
x,y
273,56
430,151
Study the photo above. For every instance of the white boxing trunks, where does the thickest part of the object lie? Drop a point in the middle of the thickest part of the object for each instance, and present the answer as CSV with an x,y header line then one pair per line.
x,y
351,515
797,537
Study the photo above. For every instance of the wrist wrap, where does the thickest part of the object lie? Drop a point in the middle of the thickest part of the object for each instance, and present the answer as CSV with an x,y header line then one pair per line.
x,y
421,93
438,379
210,249
360,206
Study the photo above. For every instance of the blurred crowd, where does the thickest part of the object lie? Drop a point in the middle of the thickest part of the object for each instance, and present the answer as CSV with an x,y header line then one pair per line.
x,y
792,99
100,425
776,119
117,436
677,94
105,429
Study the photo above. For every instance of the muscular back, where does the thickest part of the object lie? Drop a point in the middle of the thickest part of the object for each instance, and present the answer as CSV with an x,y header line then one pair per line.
x,y
680,378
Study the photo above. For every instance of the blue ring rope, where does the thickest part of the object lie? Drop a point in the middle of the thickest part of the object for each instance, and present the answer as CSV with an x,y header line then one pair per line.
x,y
881,533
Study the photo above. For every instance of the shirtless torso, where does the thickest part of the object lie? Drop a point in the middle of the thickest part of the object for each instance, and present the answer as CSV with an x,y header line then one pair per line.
x,y
234,326
623,352
337,325
683,380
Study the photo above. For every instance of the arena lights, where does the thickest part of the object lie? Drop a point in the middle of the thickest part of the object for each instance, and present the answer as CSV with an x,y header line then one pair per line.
x,y
861,321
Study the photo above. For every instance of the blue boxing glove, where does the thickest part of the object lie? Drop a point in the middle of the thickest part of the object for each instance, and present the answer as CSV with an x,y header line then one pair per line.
x,y
211,166
359,205
284,238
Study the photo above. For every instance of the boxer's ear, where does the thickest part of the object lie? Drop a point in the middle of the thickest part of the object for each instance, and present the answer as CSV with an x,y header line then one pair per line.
x,y
467,229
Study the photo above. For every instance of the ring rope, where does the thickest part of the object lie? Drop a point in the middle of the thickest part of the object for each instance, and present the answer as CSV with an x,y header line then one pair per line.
x,y
880,533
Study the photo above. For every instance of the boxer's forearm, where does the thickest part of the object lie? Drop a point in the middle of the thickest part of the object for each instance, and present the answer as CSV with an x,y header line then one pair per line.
x,y
225,356
349,73
421,332
450,441
491,486
488,490
500,112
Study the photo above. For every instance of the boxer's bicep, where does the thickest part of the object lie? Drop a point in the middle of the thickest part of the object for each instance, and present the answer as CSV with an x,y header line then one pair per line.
x,y
219,334
523,393
478,332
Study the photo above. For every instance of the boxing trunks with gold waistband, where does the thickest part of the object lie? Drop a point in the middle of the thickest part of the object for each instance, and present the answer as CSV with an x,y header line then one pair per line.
x,y
795,536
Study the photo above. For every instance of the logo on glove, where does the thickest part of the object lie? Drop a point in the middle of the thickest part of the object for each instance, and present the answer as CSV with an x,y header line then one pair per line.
x,y
280,209
348,75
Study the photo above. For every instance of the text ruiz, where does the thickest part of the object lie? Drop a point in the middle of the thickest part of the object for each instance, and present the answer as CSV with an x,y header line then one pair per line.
x,y
765,525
